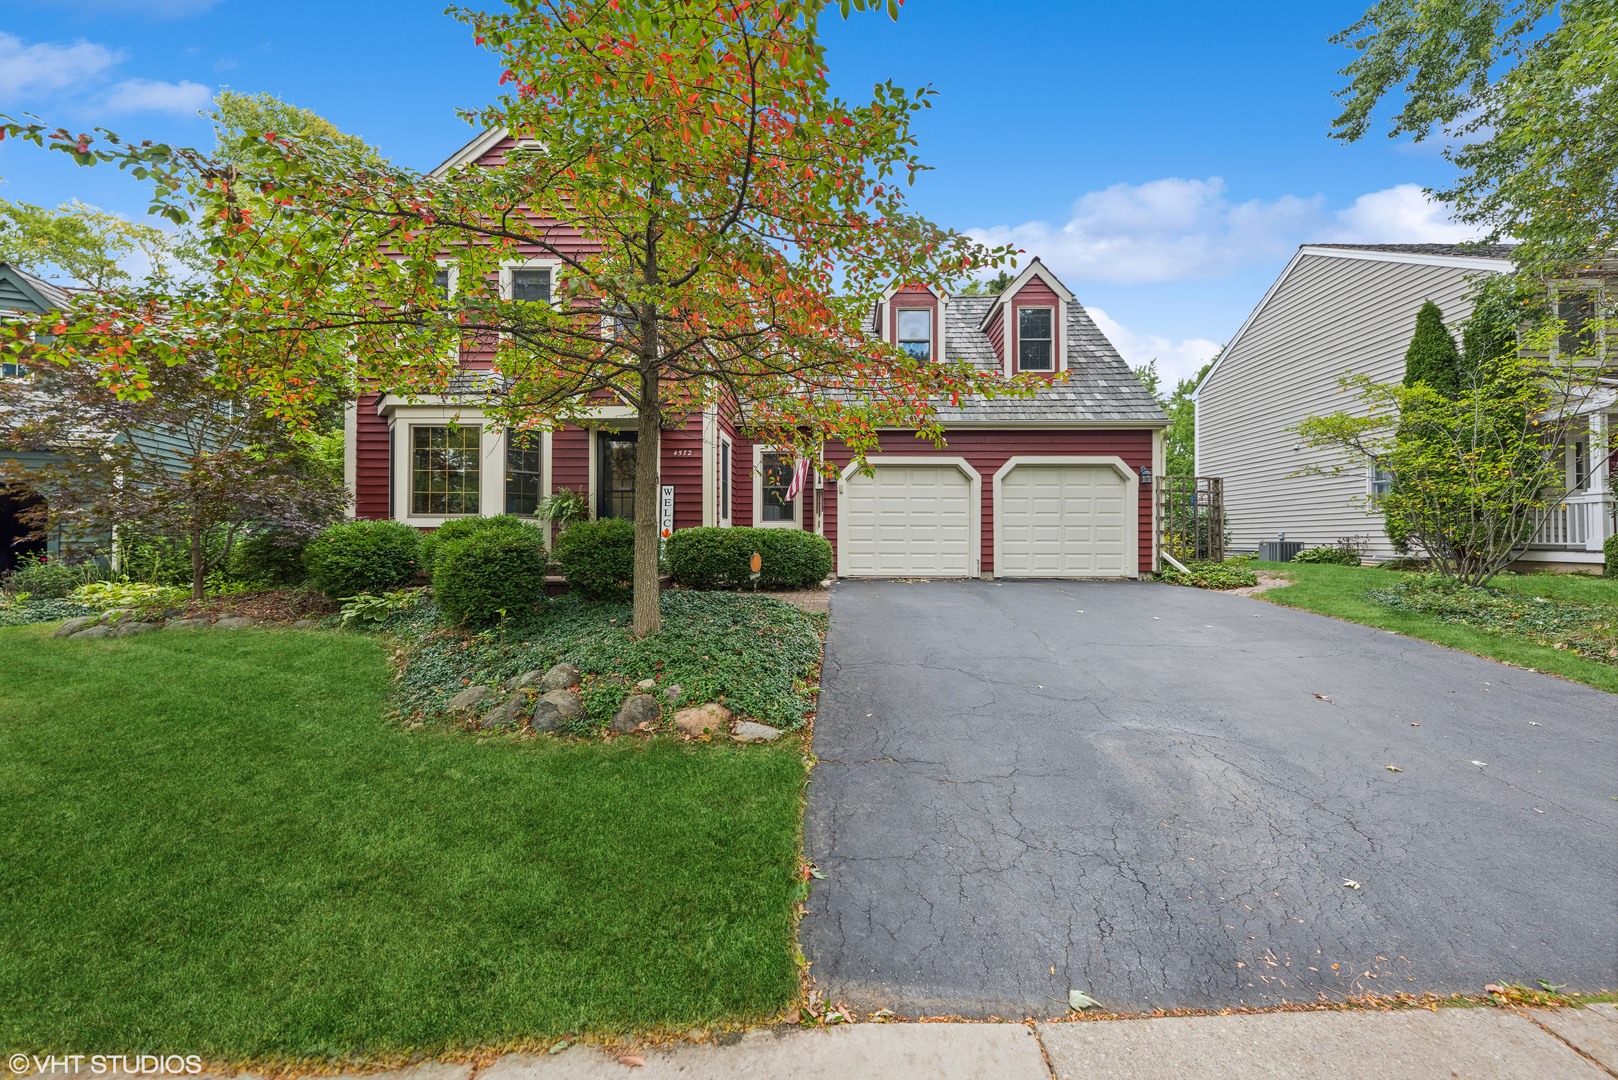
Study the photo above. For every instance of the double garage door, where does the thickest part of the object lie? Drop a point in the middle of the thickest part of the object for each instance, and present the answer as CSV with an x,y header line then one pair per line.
x,y
920,520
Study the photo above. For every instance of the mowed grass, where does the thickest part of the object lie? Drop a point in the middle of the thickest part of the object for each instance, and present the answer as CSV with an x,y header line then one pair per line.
x,y
214,843
1341,591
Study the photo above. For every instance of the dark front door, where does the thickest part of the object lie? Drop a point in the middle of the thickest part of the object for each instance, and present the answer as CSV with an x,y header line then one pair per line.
x,y
16,540
615,475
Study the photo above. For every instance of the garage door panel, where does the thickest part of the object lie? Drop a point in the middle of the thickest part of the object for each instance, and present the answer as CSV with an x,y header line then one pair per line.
x,y
1063,521
907,521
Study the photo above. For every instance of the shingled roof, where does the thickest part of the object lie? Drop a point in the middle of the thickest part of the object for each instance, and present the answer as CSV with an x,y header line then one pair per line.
x,y
1476,251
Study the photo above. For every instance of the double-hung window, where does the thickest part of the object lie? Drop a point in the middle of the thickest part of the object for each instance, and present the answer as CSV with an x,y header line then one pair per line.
x,y
1378,481
531,284
523,472
916,332
725,452
445,470
1036,341
775,507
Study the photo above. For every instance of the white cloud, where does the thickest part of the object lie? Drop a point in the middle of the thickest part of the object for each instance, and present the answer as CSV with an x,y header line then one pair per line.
x,y
28,70
1176,360
1175,228
1397,215
155,95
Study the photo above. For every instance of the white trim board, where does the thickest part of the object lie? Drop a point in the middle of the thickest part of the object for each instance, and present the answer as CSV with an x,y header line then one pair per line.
x,y
1131,500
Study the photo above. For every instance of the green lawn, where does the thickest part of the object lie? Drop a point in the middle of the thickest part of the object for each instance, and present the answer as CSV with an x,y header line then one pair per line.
x,y
1341,591
213,843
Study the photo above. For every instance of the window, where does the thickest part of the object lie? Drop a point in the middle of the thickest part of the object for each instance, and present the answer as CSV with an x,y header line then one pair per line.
x,y
441,283
916,332
13,371
444,470
1578,464
532,284
523,472
1378,481
775,480
725,452
1035,344
615,475
1577,310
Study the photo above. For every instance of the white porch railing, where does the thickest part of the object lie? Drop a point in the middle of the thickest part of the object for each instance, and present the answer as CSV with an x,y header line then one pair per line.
x,y
1582,522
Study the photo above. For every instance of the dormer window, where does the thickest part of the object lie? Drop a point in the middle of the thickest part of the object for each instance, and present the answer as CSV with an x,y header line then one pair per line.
x,y
1036,342
916,332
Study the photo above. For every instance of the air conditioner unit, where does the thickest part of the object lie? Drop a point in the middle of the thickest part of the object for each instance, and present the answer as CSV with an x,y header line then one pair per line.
x,y
1279,550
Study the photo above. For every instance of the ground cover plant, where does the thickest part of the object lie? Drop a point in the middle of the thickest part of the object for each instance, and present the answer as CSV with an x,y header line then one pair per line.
x,y
1233,573
1591,630
1380,598
216,843
754,654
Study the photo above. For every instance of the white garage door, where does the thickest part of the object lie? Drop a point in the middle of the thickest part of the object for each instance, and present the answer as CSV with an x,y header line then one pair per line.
x,y
1063,521
907,521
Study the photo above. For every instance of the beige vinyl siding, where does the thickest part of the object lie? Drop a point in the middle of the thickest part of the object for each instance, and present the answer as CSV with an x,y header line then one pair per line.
x,y
1328,316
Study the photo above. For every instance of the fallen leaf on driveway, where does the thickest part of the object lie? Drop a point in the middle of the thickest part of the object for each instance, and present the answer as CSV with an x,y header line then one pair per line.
x,y
1414,724
1535,723
1323,697
1350,883
1493,988
1537,810
632,1060
1481,764
1393,768
1078,999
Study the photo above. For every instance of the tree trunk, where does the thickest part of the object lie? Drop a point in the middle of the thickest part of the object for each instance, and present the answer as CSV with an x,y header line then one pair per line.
x,y
199,569
648,618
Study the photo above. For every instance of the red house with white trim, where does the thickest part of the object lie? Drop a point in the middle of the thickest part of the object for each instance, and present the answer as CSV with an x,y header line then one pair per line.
x,y
1053,486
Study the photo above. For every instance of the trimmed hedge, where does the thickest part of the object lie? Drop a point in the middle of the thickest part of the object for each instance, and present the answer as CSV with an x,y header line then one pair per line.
x,y
361,556
433,543
598,557
712,558
491,575
1610,550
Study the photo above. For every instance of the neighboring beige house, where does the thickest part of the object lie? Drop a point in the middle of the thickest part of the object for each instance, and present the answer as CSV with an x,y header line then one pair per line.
x,y
1338,309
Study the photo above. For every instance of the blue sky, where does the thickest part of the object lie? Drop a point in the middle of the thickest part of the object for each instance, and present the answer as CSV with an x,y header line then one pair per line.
x,y
1164,159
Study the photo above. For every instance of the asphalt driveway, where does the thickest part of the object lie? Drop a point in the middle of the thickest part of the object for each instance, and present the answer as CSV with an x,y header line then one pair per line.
x,y
1157,794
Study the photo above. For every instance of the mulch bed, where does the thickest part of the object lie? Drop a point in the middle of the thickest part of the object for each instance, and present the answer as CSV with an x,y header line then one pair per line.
x,y
268,605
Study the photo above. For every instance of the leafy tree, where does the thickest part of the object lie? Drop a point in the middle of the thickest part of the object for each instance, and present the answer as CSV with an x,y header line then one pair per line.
x,y
75,243
236,116
1526,91
1180,437
1432,359
992,286
1472,465
188,459
718,221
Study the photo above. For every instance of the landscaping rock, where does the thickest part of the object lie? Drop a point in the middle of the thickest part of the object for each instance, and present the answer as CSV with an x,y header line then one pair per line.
x,y
646,686
234,622
201,622
130,629
73,626
307,624
472,697
100,630
674,694
702,718
748,731
508,712
555,709
636,710
560,677
526,679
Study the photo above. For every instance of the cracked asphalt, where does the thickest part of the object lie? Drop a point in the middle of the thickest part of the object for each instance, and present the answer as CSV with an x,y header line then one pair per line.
x,y
1155,794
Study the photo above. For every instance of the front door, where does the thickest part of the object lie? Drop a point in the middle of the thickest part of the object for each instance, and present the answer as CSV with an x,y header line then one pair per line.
x,y
615,474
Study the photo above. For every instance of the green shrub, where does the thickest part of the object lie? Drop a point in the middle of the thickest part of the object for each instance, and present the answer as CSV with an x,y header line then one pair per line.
x,y
1232,574
45,578
710,558
433,543
354,557
1610,549
271,560
489,576
1333,555
598,557
141,596
162,560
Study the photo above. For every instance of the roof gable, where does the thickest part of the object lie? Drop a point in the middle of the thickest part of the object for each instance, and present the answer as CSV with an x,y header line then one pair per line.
x,y
22,291
1035,269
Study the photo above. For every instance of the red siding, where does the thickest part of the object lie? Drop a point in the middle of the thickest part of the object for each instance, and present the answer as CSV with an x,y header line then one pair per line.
x,y
371,451
1037,294
986,451
997,334
742,493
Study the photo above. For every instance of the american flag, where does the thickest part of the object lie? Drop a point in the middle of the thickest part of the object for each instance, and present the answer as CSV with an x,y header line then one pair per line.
x,y
800,476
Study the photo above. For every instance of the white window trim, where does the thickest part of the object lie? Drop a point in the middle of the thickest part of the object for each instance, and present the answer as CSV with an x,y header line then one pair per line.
x,y
1599,312
1116,464
1056,353
491,465
553,265
454,288
1372,468
724,515
899,311
758,494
